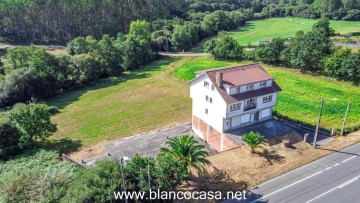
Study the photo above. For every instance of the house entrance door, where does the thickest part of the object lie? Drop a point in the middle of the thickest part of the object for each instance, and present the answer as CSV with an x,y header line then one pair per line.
x,y
256,116
227,124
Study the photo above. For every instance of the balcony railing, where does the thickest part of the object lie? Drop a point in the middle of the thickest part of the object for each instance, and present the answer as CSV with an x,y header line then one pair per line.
x,y
250,107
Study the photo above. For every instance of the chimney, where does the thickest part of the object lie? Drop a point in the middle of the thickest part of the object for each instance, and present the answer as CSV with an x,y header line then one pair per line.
x,y
219,79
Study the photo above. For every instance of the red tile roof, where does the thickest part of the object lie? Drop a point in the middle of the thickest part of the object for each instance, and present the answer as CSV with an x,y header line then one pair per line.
x,y
241,75
234,76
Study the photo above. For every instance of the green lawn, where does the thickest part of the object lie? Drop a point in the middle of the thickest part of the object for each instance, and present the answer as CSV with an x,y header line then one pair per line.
x,y
301,94
153,98
119,107
267,29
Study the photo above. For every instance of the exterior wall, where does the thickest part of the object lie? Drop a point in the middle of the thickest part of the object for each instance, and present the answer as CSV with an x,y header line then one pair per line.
x,y
216,109
261,104
243,87
248,118
219,111
215,139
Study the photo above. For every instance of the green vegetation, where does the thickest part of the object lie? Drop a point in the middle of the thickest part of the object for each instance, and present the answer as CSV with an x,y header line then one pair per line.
x,y
254,140
187,151
267,29
224,47
186,71
35,176
23,127
98,184
135,102
300,98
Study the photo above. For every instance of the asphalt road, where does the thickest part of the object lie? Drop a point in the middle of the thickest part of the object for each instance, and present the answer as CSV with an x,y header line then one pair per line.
x,y
331,179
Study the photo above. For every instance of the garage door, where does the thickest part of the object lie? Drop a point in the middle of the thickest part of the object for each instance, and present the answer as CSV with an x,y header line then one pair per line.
x,y
245,118
235,121
265,113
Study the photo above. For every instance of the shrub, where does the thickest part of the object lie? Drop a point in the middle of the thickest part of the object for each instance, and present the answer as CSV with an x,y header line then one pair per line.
x,y
35,176
10,138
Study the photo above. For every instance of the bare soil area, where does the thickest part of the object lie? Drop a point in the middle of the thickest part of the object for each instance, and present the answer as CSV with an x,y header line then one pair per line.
x,y
238,169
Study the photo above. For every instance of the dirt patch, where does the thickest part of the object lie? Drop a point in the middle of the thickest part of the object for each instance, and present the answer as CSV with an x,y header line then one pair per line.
x,y
88,152
56,51
238,168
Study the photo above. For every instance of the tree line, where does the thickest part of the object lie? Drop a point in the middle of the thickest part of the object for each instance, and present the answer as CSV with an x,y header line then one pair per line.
x,y
30,74
60,21
332,9
312,52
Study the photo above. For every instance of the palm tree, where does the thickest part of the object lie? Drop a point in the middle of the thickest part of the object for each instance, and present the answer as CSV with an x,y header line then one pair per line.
x,y
254,140
187,150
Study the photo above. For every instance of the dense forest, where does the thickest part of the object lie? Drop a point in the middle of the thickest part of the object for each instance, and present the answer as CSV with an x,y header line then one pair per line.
x,y
59,21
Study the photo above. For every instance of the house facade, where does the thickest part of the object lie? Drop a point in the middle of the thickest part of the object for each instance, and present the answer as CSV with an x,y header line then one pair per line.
x,y
228,98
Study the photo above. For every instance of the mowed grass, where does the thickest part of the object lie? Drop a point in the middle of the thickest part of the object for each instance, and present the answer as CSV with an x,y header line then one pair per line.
x,y
270,28
136,102
300,98
267,29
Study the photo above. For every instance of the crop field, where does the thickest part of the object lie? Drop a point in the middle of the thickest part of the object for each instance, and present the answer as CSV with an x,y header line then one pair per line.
x,y
267,29
122,106
300,98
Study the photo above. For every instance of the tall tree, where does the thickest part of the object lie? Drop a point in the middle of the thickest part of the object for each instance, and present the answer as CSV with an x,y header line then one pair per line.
x,y
34,120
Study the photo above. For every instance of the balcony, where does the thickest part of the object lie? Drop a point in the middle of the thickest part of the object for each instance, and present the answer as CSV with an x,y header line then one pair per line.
x,y
250,107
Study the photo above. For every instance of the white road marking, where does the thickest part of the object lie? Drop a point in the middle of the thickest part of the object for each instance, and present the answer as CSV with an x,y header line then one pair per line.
x,y
339,186
348,159
342,185
287,186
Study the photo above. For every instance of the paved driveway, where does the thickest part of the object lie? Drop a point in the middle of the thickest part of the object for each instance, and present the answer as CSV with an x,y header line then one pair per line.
x,y
272,128
147,144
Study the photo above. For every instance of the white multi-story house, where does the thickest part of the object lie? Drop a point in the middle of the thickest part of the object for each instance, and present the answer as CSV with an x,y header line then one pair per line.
x,y
228,98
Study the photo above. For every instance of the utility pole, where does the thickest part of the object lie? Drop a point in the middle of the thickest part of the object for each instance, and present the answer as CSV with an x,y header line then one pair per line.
x,y
318,123
345,118
122,176
149,176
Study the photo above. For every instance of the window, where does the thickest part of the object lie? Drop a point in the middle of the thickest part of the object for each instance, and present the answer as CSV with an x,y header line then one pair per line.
x,y
263,84
250,87
267,99
250,101
237,90
212,88
206,111
206,84
208,99
234,107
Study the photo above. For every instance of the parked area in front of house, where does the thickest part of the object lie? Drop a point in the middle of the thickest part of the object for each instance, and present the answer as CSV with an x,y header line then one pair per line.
x,y
149,144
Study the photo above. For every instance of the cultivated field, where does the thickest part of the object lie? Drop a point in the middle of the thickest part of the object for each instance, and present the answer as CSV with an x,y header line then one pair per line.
x,y
119,107
301,94
267,29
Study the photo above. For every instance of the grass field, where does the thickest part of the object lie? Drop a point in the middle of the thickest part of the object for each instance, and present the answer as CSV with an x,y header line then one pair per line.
x,y
154,98
119,107
301,94
267,29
